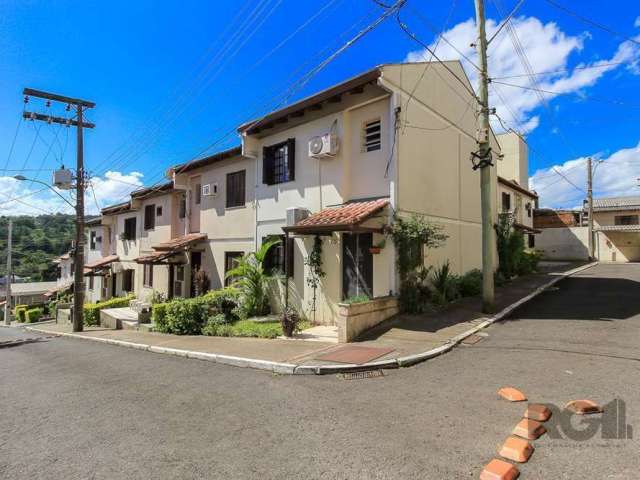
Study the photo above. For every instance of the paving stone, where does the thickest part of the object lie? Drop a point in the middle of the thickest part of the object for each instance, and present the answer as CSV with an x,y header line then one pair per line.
x,y
499,470
516,449
537,411
583,407
529,429
512,394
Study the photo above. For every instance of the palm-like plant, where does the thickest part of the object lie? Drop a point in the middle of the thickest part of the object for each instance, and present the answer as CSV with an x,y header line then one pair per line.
x,y
250,278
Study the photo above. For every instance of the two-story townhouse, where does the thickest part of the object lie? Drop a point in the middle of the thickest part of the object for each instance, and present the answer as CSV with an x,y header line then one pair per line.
x,y
220,204
170,245
337,166
514,196
65,266
97,260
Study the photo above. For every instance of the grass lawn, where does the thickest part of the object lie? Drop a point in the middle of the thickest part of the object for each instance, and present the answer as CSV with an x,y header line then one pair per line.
x,y
250,328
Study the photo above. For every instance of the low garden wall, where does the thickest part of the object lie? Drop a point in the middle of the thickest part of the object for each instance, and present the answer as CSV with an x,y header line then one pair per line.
x,y
355,318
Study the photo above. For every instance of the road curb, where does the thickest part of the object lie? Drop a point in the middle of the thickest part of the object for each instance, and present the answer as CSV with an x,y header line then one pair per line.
x,y
292,369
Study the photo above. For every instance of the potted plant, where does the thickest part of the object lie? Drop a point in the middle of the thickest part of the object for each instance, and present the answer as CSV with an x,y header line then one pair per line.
x,y
375,249
289,321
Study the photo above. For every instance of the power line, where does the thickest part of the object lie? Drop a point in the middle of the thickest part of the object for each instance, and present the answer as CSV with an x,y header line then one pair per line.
x,y
406,30
588,21
13,144
562,70
300,83
504,22
586,97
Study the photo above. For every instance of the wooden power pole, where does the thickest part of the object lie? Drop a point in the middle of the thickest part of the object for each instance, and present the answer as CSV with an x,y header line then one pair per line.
x,y
7,304
484,164
79,123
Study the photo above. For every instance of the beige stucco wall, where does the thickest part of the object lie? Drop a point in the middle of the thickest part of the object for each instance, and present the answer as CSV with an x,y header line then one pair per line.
x,y
515,163
435,178
617,246
608,218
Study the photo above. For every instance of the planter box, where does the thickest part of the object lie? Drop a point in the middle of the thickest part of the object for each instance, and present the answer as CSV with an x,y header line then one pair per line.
x,y
355,318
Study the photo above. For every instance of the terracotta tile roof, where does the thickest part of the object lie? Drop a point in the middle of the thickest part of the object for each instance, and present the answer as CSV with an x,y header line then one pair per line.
x,y
514,185
179,242
155,257
102,262
343,216
618,228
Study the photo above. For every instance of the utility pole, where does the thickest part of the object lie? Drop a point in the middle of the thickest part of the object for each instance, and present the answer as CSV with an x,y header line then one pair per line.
x,y
79,123
7,304
590,208
484,164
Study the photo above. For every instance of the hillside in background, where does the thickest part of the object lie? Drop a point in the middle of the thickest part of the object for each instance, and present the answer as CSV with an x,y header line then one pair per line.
x,y
36,242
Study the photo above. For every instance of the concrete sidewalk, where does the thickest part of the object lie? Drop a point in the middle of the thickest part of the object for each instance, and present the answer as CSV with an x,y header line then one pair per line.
x,y
407,338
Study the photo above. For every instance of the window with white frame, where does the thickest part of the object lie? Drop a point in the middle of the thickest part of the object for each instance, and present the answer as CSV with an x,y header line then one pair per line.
x,y
372,135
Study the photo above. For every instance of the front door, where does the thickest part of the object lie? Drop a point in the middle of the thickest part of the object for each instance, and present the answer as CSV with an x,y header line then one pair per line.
x,y
196,264
170,286
357,261
114,285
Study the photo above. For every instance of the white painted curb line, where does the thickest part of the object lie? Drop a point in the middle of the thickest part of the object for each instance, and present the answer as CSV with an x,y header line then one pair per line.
x,y
291,369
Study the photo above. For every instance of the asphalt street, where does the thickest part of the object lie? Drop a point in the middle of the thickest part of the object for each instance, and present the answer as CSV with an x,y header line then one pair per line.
x,y
74,409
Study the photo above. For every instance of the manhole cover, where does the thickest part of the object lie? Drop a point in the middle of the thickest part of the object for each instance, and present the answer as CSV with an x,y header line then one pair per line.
x,y
362,375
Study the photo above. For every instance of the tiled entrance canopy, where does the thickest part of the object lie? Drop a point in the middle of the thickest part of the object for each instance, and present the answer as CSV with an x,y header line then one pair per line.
x,y
165,250
345,217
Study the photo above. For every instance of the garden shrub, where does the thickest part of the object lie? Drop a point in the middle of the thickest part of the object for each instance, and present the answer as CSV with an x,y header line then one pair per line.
x,y
225,301
20,313
445,284
415,294
92,310
184,317
357,299
214,324
159,314
33,315
470,283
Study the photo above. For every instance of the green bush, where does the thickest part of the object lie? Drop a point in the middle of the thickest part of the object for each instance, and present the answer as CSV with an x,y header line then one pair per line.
x,y
528,262
470,283
184,317
225,301
445,284
214,325
92,310
159,314
20,313
415,293
33,315
357,299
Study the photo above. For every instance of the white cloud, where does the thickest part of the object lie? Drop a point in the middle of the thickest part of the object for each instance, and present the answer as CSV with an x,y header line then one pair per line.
x,y
547,49
35,199
637,22
616,175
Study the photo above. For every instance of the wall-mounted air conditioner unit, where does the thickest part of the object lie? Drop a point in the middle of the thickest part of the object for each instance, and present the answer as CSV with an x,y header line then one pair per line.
x,y
210,190
325,146
295,215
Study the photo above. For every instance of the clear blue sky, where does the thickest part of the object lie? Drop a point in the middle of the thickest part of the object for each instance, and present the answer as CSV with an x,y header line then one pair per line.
x,y
165,88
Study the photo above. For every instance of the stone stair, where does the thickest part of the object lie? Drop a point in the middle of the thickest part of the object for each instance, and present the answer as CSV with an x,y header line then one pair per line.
x,y
126,318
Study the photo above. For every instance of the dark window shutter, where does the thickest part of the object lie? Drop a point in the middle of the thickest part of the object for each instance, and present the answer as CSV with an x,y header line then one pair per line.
x,y
291,154
266,167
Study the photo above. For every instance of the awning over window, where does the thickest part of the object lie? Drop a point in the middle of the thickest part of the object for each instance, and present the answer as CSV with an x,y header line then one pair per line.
x,y
94,268
164,251
347,217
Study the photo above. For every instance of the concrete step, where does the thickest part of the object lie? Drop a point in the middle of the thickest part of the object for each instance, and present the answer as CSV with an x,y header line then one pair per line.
x,y
115,317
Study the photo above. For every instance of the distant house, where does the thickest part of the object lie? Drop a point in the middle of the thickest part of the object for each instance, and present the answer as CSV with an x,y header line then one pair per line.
x,y
33,293
616,226
616,223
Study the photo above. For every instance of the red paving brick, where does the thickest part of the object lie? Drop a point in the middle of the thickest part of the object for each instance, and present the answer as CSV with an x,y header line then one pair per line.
x,y
516,449
583,407
354,354
512,394
536,411
529,429
499,470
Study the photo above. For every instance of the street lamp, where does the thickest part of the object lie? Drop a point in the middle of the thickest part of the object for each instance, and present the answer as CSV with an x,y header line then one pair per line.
x,y
22,178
